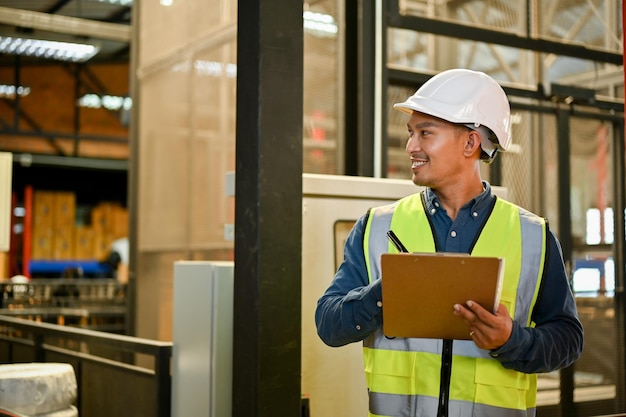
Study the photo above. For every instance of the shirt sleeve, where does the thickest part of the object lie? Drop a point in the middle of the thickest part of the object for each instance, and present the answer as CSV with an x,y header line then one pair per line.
x,y
350,309
556,341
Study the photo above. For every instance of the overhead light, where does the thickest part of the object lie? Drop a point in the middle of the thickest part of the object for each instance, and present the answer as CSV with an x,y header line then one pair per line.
x,y
62,51
11,91
319,24
108,102
120,2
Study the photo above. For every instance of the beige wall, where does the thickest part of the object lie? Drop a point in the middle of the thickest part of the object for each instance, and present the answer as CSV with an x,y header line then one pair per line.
x,y
185,146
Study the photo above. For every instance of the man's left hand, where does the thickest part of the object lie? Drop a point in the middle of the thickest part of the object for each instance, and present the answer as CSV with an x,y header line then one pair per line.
x,y
489,331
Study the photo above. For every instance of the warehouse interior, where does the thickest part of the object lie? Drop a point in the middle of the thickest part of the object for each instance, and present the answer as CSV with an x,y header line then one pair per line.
x,y
179,109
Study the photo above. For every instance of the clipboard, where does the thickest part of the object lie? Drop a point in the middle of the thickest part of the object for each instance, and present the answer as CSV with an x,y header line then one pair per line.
x,y
419,291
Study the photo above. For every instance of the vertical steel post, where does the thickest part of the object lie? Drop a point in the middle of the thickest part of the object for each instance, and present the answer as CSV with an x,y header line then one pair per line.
x,y
565,237
268,210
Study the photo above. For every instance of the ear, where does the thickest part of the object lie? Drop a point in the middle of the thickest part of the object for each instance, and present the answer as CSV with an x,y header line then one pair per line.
x,y
472,144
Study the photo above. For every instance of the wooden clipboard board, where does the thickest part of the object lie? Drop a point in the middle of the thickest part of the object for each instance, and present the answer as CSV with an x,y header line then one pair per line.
x,y
420,290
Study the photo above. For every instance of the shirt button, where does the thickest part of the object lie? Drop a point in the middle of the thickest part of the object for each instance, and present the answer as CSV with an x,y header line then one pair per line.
x,y
453,234
475,214
358,327
436,204
432,211
379,303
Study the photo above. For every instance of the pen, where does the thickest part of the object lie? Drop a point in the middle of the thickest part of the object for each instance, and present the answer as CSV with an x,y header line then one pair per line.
x,y
396,242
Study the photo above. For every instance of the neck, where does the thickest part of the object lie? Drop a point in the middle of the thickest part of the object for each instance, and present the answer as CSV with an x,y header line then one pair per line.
x,y
454,197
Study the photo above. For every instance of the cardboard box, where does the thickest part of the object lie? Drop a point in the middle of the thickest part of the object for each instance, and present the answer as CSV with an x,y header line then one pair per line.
x,y
119,224
102,244
43,209
84,243
42,243
4,266
63,245
103,215
56,235
64,209
54,215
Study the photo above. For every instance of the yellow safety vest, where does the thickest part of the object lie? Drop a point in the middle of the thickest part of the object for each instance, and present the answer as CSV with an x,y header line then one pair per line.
x,y
403,375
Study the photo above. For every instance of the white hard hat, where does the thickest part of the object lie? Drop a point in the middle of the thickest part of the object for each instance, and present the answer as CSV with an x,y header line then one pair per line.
x,y
466,97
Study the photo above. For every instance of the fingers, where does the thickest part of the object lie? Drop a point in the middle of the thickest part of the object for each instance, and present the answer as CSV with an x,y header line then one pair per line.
x,y
472,320
487,330
470,311
474,311
479,311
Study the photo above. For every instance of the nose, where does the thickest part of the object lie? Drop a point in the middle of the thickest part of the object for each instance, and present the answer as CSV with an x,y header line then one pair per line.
x,y
412,144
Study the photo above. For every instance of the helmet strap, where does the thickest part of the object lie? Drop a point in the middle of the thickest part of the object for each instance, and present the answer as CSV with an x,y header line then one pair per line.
x,y
485,143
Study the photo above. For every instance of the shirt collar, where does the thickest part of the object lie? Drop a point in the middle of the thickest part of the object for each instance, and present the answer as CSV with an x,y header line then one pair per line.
x,y
477,204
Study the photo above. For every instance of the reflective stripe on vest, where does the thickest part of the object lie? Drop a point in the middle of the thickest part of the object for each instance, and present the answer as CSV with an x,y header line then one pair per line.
x,y
410,406
478,381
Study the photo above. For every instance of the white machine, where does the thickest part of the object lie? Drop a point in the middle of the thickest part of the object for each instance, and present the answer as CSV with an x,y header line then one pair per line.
x,y
202,357
332,378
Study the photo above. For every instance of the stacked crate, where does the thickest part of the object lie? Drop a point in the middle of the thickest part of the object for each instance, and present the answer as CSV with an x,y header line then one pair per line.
x,y
84,242
54,215
56,236
109,221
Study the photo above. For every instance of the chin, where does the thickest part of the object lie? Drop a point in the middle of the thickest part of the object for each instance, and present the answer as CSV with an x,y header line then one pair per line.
x,y
417,181
420,181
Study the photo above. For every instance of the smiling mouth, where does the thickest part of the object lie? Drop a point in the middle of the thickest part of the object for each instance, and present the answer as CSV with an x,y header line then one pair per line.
x,y
417,164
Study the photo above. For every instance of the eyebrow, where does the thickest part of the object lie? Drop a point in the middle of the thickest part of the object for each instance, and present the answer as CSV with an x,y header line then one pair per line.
x,y
422,125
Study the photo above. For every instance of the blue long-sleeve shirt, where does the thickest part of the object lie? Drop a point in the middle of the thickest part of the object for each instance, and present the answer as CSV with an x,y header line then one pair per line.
x,y
351,307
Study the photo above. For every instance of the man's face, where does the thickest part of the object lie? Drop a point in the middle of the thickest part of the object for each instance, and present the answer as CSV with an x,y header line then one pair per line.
x,y
436,150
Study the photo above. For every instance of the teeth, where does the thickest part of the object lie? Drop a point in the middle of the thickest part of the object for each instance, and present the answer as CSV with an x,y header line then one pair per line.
x,y
416,164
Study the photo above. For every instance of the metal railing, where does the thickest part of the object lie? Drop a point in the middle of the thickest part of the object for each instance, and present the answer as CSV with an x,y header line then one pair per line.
x,y
116,375
96,304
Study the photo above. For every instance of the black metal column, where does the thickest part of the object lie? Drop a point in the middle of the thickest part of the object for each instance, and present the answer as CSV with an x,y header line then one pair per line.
x,y
360,64
367,80
268,210
132,198
352,89
565,237
619,190
384,89
619,171
495,171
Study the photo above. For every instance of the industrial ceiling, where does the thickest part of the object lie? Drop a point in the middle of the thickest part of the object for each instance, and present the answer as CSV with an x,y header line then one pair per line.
x,y
103,23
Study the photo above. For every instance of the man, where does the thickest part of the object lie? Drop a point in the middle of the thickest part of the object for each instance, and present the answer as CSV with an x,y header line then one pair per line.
x,y
457,119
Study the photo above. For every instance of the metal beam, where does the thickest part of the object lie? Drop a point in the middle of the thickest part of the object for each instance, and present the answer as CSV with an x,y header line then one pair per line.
x,y
268,210
26,159
51,136
619,261
463,31
64,24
